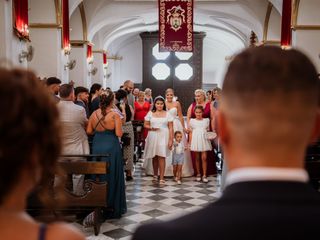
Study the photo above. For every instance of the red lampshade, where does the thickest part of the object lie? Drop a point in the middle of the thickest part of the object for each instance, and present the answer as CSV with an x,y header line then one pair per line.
x,y
21,17
286,23
104,58
65,24
89,52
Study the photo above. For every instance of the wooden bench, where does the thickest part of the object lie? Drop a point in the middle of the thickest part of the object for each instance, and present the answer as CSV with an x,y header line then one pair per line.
x,y
94,197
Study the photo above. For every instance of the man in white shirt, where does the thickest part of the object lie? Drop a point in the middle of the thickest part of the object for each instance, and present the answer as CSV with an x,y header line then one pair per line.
x,y
267,117
74,138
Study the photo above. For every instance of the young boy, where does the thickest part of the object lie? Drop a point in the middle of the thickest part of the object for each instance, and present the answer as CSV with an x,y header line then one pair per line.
x,y
178,156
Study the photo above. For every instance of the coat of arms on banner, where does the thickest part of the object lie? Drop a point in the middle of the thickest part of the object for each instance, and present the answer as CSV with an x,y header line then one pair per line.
x,y
176,17
175,25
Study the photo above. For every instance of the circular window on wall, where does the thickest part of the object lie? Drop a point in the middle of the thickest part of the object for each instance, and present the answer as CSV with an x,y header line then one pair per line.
x,y
160,71
183,71
159,55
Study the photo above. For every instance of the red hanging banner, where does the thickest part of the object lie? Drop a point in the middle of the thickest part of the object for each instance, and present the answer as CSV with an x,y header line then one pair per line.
x,y
175,25
104,58
21,18
286,23
65,25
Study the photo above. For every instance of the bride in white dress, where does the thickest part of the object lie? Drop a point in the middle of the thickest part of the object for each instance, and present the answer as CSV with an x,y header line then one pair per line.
x,y
174,108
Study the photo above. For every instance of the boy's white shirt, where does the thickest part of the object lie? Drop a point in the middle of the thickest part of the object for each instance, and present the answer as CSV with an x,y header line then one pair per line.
x,y
178,147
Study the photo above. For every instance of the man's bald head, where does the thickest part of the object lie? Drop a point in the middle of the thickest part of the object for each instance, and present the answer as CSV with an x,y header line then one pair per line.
x,y
128,85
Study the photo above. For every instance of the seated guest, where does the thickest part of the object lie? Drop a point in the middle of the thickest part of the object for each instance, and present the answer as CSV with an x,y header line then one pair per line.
x,y
74,122
268,115
82,98
29,148
53,85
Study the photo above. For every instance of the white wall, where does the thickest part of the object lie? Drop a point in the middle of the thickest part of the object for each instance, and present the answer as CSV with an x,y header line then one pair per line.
x,y
130,67
80,73
304,39
42,11
274,26
76,32
215,52
308,42
46,54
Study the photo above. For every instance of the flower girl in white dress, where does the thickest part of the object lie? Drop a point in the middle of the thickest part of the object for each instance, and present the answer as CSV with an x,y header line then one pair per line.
x,y
159,140
199,142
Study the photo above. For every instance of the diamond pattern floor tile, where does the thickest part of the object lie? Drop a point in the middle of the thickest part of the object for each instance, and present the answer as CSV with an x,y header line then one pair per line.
x,y
148,203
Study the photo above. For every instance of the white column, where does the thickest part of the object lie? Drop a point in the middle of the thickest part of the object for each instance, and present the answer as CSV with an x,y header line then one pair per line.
x,y
98,63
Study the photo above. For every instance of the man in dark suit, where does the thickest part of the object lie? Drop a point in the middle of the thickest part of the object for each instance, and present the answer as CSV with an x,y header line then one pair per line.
x,y
267,117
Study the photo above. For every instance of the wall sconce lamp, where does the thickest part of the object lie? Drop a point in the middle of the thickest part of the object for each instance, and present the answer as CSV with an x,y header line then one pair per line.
x,y
70,65
93,71
90,60
67,50
28,55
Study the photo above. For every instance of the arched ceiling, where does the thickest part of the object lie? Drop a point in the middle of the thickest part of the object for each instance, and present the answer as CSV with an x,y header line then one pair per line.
x,y
117,20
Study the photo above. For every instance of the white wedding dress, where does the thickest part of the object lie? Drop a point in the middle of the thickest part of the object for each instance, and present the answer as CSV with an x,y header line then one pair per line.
x,y
187,169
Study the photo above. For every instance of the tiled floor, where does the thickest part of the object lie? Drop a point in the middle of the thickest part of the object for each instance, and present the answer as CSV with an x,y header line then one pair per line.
x,y
148,203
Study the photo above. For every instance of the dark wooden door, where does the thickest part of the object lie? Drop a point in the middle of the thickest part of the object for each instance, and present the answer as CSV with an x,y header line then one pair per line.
x,y
184,89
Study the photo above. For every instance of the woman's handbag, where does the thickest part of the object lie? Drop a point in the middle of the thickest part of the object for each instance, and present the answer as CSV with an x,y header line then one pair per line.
x,y
210,135
125,139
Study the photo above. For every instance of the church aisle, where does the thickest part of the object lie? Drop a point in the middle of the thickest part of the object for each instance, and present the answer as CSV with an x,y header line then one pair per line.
x,y
149,203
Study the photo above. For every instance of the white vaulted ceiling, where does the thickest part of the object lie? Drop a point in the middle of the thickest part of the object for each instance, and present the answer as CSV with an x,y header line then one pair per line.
x,y
112,24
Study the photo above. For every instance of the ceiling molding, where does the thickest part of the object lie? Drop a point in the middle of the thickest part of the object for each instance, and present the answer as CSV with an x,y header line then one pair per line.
x,y
44,25
84,21
78,43
99,51
58,11
266,21
295,11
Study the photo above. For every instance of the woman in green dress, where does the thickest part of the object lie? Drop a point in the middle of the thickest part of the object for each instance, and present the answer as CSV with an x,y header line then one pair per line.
x,y
106,126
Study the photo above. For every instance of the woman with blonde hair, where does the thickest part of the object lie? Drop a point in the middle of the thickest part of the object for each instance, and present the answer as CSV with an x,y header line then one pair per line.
x,y
174,108
208,112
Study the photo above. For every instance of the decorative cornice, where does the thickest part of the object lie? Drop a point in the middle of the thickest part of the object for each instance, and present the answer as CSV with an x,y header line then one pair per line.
x,y
99,51
271,42
115,57
84,21
306,27
295,11
78,43
266,21
44,25
58,11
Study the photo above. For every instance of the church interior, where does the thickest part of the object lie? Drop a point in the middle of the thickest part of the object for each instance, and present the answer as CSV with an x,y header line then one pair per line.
x,y
107,42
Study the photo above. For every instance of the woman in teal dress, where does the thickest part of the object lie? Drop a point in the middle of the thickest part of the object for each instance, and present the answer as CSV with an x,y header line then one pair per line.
x,y
106,126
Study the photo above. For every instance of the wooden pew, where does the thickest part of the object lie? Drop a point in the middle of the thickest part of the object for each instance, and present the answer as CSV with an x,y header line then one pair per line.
x,y
312,164
94,197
